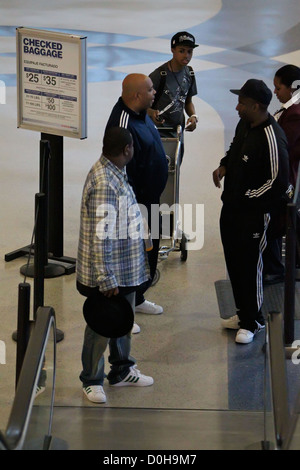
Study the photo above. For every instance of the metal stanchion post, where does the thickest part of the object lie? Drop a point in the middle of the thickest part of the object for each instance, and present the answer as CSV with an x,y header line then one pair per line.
x,y
50,269
23,330
39,256
39,262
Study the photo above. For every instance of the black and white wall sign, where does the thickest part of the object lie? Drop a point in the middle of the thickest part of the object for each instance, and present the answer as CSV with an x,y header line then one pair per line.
x,y
52,82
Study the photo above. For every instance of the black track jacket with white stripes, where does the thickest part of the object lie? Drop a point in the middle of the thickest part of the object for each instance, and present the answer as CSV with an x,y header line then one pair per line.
x,y
148,170
257,167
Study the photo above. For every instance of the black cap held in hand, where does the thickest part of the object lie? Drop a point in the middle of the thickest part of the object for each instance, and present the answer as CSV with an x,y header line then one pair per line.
x,y
111,317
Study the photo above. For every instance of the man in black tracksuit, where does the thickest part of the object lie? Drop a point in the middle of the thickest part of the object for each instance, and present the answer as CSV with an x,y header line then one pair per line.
x,y
256,178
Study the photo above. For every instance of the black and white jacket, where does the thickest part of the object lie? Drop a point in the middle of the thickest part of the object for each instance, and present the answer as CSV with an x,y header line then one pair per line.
x,y
257,167
148,170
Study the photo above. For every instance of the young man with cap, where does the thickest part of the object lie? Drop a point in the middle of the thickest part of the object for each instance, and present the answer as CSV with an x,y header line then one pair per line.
x,y
256,178
111,259
175,86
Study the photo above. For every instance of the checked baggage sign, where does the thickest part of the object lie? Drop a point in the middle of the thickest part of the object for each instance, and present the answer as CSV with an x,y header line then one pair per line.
x,y
51,82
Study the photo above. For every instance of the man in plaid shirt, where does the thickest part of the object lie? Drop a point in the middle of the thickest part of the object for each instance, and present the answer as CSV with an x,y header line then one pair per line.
x,y
111,258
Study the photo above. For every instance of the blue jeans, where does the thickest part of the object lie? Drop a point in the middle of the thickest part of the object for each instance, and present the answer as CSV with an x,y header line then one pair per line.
x,y
119,357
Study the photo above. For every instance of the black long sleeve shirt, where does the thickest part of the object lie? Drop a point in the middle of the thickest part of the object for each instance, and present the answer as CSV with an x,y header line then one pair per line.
x,y
257,167
148,170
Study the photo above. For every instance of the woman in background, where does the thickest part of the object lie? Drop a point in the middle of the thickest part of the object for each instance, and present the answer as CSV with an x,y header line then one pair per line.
x,y
287,90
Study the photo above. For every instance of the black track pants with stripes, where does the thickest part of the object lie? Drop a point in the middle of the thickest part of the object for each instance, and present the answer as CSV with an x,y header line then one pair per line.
x,y
244,240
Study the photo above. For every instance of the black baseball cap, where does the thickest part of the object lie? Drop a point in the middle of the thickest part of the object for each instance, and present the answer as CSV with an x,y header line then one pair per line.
x,y
255,89
111,317
183,38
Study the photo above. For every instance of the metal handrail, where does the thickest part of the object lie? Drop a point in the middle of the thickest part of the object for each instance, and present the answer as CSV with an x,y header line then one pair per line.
x,y
25,393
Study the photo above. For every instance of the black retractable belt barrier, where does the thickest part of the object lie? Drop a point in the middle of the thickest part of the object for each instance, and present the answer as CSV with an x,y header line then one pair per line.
x,y
39,265
39,255
50,269
23,329
56,203
39,252
51,183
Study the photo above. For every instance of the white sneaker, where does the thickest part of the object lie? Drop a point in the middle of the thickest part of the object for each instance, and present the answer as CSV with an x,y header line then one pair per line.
x,y
135,329
232,322
95,393
134,378
245,336
149,307
39,390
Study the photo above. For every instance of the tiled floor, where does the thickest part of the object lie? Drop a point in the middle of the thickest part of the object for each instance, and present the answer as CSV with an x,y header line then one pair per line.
x,y
195,364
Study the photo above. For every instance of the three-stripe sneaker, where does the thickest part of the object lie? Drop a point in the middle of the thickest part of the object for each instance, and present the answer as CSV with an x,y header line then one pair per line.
x,y
134,378
95,393
39,390
246,336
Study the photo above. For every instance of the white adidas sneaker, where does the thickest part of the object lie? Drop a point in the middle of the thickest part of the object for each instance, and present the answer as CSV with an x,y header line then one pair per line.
x,y
95,393
134,378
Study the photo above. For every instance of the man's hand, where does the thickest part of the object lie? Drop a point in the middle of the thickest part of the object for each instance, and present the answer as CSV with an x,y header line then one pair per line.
x,y
154,115
111,292
191,124
218,174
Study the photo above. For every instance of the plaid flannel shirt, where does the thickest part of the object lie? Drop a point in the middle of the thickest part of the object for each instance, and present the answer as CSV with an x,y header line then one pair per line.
x,y
111,249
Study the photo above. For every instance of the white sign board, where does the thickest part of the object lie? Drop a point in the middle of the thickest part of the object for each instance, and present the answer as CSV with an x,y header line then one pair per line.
x,y
51,82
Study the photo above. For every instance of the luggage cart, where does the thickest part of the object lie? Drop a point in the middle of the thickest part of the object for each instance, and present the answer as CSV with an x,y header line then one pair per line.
x,y
172,237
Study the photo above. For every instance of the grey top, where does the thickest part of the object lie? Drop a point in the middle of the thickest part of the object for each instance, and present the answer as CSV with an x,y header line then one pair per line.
x,y
178,86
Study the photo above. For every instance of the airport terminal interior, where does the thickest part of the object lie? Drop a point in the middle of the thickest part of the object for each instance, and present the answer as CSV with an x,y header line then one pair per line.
x,y
209,393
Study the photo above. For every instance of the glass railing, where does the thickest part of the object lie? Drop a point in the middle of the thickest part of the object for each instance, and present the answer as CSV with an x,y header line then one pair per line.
x,y
277,406
292,441
282,360
30,422
282,380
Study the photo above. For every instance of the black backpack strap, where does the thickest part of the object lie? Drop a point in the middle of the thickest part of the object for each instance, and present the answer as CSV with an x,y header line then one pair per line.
x,y
160,88
192,74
